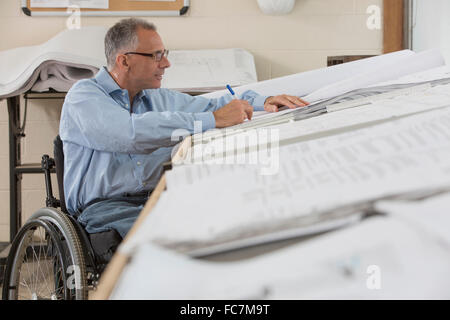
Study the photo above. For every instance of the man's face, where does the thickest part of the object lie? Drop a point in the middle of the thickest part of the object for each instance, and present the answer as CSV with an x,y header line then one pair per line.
x,y
145,72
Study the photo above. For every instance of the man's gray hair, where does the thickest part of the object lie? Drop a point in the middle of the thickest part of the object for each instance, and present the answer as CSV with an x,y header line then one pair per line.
x,y
123,36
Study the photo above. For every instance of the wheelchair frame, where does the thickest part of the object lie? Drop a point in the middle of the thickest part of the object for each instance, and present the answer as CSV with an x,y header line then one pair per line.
x,y
62,249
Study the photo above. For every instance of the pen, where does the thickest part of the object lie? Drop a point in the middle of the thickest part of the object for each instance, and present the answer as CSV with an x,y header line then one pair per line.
x,y
231,91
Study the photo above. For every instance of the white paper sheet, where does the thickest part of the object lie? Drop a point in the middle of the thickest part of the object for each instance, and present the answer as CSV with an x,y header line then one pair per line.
x,y
440,72
207,70
383,72
231,201
381,108
306,82
382,258
431,215
400,67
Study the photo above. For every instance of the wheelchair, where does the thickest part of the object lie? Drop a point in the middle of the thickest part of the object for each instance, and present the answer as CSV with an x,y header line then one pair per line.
x,y
52,256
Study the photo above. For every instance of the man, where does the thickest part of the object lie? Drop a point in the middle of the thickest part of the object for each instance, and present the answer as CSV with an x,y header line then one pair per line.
x,y
116,128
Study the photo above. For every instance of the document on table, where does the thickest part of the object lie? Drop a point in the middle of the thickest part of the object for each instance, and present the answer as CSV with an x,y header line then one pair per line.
x,y
329,82
376,259
93,4
213,145
430,215
416,85
306,82
208,70
393,70
326,180
440,72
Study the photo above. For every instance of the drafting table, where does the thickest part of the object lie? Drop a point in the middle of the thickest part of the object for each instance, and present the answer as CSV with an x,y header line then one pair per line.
x,y
118,263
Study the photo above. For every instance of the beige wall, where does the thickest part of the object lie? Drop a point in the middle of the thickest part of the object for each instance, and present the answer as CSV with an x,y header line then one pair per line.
x,y
281,45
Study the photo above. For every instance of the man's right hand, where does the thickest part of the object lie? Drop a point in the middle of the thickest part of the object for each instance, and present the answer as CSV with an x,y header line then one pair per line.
x,y
233,113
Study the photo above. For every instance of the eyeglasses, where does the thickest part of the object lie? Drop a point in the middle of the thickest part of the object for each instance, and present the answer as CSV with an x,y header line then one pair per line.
x,y
157,56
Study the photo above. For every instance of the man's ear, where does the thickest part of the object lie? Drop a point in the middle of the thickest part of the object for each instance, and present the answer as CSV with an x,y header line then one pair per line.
x,y
122,61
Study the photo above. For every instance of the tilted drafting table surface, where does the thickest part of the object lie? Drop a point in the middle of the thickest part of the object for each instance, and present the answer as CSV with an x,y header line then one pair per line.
x,y
115,268
117,265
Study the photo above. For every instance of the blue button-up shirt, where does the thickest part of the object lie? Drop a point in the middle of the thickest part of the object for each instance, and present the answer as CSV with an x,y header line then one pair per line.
x,y
111,149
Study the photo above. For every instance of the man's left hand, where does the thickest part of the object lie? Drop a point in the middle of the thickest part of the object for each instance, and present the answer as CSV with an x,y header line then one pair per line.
x,y
273,103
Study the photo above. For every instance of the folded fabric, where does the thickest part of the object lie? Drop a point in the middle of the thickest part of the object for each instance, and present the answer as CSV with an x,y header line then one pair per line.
x,y
60,77
66,58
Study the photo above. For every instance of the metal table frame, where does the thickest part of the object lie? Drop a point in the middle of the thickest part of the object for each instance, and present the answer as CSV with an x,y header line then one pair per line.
x,y
16,167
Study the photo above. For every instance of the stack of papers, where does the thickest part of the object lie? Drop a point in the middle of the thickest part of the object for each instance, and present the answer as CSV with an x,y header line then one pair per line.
x,y
345,77
301,188
376,259
212,146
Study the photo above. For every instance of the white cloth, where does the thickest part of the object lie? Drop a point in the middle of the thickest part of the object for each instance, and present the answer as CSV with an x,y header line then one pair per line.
x,y
59,62
59,76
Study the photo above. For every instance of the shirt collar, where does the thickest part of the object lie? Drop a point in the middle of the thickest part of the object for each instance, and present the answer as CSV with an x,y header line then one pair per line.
x,y
142,94
107,82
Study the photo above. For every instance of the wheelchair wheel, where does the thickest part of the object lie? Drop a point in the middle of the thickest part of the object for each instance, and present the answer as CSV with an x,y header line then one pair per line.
x,y
46,260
